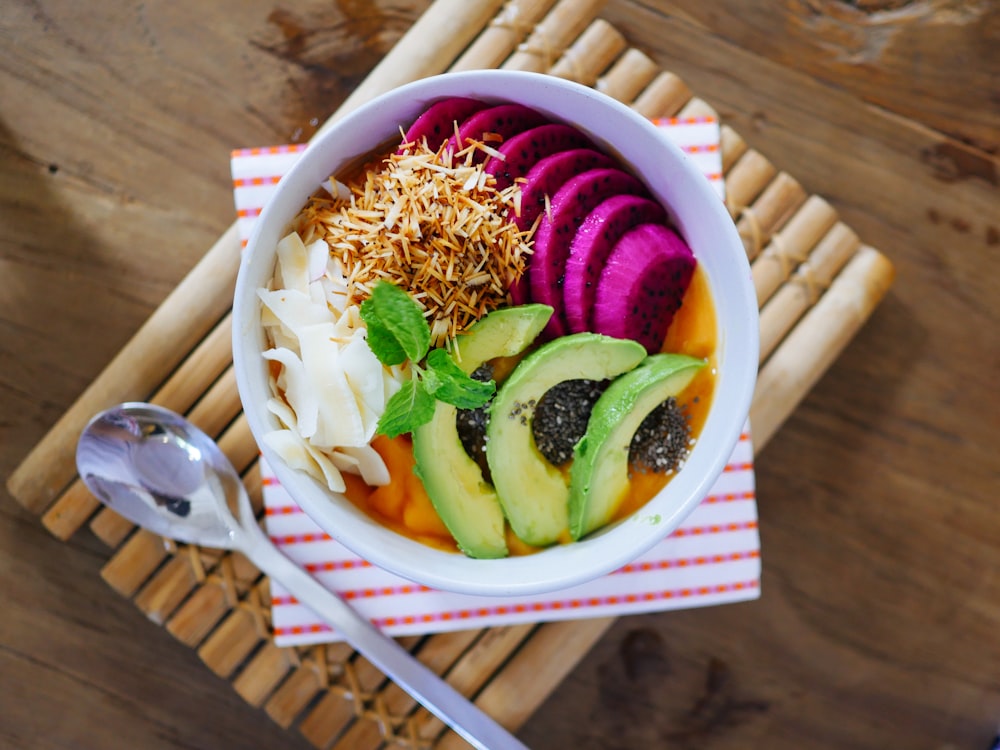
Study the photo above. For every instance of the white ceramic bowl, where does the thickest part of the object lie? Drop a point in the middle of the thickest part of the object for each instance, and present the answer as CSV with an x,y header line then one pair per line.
x,y
696,211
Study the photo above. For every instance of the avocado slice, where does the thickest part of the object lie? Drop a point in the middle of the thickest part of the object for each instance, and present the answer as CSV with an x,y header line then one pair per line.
x,y
599,474
532,491
465,501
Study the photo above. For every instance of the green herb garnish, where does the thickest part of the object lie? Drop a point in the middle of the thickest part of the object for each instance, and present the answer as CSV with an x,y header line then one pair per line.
x,y
397,331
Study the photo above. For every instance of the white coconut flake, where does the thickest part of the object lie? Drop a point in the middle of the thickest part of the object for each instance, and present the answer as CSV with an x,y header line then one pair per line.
x,y
293,263
299,455
369,464
318,253
295,309
340,422
298,389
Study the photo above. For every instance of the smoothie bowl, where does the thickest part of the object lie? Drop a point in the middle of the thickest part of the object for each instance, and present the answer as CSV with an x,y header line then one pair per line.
x,y
495,334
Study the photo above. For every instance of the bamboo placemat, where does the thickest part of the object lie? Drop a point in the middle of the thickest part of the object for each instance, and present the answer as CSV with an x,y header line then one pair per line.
x,y
816,284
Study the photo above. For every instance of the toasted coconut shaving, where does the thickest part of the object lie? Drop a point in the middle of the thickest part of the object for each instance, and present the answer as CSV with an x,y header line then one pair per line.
x,y
432,223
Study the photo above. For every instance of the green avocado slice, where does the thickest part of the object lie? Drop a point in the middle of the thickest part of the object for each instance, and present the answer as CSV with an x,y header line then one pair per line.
x,y
465,501
533,492
599,474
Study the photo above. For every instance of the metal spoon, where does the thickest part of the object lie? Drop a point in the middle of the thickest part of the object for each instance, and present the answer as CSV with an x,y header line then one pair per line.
x,y
161,472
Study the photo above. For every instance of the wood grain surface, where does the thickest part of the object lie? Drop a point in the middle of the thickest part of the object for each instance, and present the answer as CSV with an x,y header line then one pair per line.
x,y
880,522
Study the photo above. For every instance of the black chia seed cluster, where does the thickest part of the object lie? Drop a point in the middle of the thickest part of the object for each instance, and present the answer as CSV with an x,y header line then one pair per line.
x,y
471,425
561,417
663,440
559,420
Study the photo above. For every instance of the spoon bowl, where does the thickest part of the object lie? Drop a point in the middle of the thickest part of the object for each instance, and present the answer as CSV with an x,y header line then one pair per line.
x,y
161,472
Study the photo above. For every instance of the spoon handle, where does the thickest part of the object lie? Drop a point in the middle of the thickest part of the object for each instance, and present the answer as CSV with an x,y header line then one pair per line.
x,y
440,698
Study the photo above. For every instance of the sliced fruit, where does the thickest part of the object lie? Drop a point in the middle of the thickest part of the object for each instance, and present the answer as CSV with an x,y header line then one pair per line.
x,y
500,122
522,151
591,246
465,501
437,123
571,204
548,175
541,183
642,285
599,477
533,492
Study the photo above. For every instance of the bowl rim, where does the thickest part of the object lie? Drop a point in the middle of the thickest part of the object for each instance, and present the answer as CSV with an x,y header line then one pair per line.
x,y
564,565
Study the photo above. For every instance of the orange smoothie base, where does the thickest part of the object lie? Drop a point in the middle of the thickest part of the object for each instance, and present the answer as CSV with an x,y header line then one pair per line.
x,y
403,504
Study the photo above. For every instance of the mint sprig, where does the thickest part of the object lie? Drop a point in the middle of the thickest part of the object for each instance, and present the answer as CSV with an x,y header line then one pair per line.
x,y
397,331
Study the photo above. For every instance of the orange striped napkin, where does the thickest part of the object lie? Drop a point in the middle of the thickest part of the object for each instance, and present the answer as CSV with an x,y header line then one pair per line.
x,y
713,558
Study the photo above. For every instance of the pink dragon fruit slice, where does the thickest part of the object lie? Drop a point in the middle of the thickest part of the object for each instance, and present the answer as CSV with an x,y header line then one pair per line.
x,y
569,207
504,120
593,243
642,285
522,151
548,175
545,179
437,123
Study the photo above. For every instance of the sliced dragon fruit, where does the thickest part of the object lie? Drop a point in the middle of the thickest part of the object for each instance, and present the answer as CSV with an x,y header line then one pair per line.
x,y
548,175
437,123
593,243
642,285
522,151
569,207
503,120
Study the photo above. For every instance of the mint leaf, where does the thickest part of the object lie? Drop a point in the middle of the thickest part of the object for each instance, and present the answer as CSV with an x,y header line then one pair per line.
x,y
400,317
380,339
446,381
410,407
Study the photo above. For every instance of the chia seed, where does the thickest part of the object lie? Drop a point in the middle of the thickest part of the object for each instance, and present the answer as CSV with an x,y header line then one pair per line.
x,y
561,417
471,425
663,440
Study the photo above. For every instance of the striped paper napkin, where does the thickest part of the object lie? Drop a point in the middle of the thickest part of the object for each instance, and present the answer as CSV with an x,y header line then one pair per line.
x,y
713,558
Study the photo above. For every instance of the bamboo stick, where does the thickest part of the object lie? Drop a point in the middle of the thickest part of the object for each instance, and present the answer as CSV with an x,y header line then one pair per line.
x,y
628,76
746,179
135,562
264,672
810,280
176,327
174,582
294,694
477,667
238,634
564,23
438,653
696,107
732,146
221,590
111,528
663,97
791,246
356,691
590,55
507,29
779,200
513,694
70,511
817,340
207,362
333,712
452,24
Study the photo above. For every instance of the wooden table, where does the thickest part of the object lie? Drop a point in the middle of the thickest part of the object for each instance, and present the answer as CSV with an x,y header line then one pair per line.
x,y
880,523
